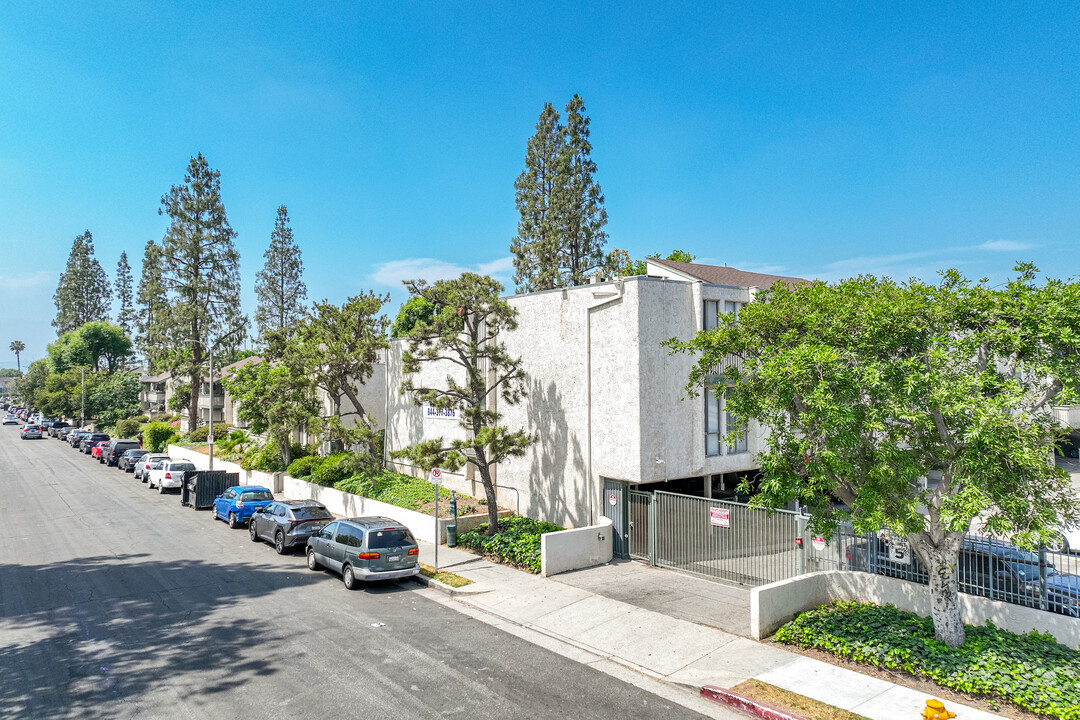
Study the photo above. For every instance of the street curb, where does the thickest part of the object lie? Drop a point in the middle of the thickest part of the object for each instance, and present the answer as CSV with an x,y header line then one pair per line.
x,y
444,588
745,704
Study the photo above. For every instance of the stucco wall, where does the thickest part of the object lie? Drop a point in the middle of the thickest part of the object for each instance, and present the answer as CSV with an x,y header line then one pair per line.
x,y
773,605
568,550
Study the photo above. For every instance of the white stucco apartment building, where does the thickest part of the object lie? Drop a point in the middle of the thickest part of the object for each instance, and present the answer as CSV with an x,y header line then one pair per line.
x,y
606,399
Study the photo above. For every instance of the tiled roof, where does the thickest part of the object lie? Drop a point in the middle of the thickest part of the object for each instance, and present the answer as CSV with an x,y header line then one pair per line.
x,y
722,275
233,367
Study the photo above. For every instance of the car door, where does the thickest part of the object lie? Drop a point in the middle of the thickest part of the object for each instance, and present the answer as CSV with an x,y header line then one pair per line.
x,y
223,503
343,540
320,541
263,521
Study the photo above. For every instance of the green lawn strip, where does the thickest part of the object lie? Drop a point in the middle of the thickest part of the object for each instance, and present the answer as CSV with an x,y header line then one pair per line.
x,y
446,578
1033,671
792,703
516,543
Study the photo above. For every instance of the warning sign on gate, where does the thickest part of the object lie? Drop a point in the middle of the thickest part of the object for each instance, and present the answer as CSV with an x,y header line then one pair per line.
x,y
819,542
720,517
611,499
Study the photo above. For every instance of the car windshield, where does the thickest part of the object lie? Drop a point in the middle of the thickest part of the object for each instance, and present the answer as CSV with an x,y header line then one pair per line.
x,y
256,496
1030,571
311,513
389,537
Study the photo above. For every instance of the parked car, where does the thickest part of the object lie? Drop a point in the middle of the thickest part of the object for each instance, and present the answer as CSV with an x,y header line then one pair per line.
x,y
142,467
10,419
128,460
288,523
237,503
153,466
112,452
74,438
97,448
169,474
31,432
1068,540
54,426
366,548
87,443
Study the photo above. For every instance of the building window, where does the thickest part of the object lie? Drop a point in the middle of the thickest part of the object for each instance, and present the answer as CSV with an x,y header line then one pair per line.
x,y
719,423
713,308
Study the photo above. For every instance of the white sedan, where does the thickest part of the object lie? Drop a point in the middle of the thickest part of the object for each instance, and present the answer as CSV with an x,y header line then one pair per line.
x,y
142,468
1068,541
170,475
10,419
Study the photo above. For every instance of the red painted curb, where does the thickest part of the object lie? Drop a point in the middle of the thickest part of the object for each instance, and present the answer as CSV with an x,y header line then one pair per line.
x,y
737,701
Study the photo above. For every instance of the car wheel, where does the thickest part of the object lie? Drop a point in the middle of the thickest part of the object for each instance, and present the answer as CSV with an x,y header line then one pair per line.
x,y
253,532
348,578
1059,544
161,489
312,563
279,542
233,522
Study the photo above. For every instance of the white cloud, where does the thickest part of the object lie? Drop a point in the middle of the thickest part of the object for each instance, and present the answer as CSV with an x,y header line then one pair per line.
x,y
1006,246
29,280
395,272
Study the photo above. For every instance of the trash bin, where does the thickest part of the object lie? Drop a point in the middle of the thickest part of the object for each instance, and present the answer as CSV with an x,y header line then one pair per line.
x,y
451,535
202,487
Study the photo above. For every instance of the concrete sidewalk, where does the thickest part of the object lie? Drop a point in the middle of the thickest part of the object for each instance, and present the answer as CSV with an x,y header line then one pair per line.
x,y
631,616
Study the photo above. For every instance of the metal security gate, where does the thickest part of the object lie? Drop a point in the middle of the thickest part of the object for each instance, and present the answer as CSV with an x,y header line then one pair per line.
x,y
642,545
616,508
717,538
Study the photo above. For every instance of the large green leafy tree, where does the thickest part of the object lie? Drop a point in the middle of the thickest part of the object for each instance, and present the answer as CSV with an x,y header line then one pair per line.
x,y
279,285
274,400
414,310
109,347
537,196
17,347
83,293
868,385
201,274
336,348
114,397
150,319
125,316
583,215
464,338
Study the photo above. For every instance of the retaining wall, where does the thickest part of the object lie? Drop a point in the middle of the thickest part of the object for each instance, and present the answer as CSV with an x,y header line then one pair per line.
x,y
584,547
247,477
774,604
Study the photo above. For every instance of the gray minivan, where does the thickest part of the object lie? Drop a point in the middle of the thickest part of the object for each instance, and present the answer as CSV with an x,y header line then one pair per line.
x,y
365,548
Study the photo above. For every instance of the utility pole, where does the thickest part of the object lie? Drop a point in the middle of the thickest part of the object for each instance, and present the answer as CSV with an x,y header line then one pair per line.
x,y
210,432
82,388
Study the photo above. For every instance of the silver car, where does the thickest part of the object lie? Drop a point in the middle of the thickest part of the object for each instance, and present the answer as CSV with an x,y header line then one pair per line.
x,y
365,548
142,467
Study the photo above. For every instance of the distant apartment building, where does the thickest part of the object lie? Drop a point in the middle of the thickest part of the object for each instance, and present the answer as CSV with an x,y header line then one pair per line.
x,y
606,399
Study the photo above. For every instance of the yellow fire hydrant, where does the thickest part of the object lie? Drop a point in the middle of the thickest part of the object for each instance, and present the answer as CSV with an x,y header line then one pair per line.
x,y
935,710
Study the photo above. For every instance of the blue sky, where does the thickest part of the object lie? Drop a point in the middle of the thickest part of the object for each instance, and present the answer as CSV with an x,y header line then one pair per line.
x,y
808,139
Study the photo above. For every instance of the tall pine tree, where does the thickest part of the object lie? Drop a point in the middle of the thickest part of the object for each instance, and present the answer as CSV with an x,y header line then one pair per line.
x,y
150,315
583,214
201,274
536,247
560,236
83,293
279,285
125,316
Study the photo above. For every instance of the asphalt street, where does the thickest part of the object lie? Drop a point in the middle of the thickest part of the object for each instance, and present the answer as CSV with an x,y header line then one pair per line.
x,y
117,602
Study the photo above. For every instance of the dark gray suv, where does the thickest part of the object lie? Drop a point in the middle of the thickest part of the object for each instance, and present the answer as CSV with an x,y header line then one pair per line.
x,y
365,548
287,523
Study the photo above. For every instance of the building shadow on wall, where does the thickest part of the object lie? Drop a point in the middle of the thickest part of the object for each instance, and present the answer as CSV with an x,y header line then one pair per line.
x,y
552,494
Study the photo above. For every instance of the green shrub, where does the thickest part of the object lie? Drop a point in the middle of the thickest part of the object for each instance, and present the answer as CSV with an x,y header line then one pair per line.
x,y
301,467
517,541
163,417
264,458
1032,670
126,428
202,433
141,419
391,487
327,471
158,435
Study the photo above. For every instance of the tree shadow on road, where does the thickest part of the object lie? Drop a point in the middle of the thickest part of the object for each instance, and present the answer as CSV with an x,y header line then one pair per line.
x,y
97,636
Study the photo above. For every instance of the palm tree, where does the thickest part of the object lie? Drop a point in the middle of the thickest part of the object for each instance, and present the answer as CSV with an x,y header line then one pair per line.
x,y
17,347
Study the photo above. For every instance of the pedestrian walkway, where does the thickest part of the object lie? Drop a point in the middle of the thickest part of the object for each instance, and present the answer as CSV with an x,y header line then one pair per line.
x,y
618,612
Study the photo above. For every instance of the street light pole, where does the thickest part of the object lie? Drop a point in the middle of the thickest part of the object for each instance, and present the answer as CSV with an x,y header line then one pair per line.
x,y
210,432
82,388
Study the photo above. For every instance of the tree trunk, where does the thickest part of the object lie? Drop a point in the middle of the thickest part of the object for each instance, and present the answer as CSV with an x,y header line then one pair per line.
x,y
941,562
489,492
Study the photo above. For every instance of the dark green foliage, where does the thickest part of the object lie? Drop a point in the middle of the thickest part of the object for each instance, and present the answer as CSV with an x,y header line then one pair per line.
x,y
178,401
1032,670
158,435
150,314
392,488
517,541
267,457
162,417
141,418
17,347
127,428
125,314
83,294
202,433
302,467
279,286
339,466
113,397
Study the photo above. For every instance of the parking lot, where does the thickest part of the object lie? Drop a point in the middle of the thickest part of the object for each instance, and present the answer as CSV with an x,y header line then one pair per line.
x,y
118,602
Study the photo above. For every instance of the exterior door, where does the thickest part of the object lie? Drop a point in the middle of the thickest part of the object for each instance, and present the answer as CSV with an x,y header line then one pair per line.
x,y
616,508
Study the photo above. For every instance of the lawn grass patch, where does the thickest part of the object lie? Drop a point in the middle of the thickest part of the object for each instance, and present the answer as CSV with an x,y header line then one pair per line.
x,y
1032,671
792,703
446,578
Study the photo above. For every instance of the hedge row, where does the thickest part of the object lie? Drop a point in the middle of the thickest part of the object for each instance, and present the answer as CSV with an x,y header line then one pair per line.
x,y
517,541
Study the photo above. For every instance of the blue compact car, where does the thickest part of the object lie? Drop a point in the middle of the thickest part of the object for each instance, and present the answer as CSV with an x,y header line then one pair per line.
x,y
238,503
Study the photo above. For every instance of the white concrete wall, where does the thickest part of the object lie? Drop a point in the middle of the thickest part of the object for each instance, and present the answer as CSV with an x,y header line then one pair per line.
x,y
773,605
247,477
568,550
